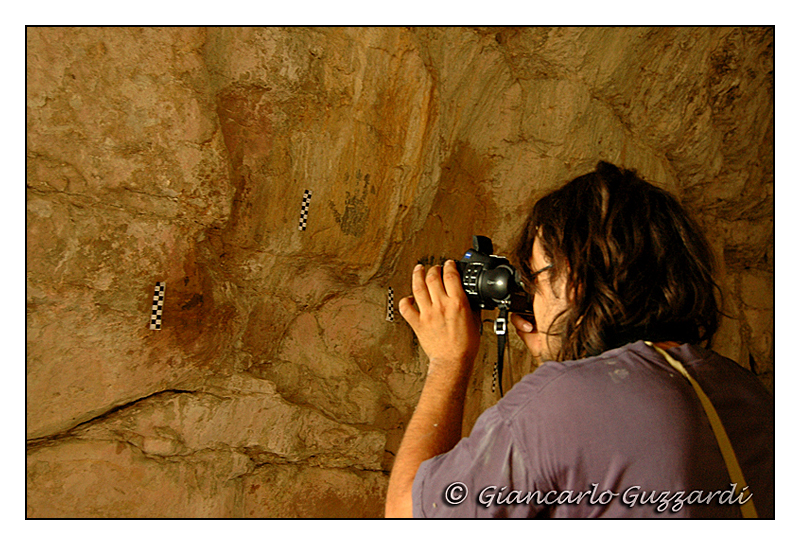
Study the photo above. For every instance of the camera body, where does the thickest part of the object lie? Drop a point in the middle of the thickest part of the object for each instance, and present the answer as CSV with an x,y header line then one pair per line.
x,y
491,281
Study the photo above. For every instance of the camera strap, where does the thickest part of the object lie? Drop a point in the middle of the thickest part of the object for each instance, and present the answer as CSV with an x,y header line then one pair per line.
x,y
501,330
731,462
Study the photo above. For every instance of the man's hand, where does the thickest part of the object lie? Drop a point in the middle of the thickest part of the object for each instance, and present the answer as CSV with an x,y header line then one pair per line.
x,y
528,333
446,327
449,333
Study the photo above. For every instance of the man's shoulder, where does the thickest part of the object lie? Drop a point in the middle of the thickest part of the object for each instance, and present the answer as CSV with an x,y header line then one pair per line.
x,y
553,379
551,372
636,364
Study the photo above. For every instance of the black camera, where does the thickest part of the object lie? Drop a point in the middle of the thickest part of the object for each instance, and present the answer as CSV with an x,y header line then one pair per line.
x,y
491,281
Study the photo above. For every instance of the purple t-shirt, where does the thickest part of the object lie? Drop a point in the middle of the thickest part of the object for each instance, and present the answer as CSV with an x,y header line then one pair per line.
x,y
617,435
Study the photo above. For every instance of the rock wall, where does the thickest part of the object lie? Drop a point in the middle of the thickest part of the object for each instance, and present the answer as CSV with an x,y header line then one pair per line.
x,y
276,386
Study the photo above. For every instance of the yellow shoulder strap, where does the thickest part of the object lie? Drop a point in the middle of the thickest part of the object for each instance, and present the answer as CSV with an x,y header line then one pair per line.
x,y
734,470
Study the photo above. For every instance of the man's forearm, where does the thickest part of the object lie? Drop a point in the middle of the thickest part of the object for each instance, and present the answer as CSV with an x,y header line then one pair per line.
x,y
434,428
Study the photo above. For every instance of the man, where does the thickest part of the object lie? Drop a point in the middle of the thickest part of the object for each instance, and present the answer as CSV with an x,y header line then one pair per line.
x,y
622,286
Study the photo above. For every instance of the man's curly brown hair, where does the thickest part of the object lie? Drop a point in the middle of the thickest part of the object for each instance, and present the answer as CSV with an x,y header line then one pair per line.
x,y
637,267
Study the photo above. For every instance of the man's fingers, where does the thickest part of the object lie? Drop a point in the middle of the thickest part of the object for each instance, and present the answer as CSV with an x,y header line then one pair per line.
x,y
527,332
407,311
446,327
521,323
435,286
452,280
419,288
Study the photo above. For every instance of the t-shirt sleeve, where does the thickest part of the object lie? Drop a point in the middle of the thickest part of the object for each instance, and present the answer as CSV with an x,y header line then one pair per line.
x,y
478,477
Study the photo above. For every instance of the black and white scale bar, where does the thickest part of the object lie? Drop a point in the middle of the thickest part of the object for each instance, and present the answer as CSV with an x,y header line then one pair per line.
x,y
390,306
304,209
158,305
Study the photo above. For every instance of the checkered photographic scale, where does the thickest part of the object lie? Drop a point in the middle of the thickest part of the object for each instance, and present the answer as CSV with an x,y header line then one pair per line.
x,y
390,306
304,210
158,306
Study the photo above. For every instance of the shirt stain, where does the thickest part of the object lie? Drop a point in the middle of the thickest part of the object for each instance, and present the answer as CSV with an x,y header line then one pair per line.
x,y
618,375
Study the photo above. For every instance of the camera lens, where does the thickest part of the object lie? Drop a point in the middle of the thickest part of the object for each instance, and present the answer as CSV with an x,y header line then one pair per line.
x,y
494,283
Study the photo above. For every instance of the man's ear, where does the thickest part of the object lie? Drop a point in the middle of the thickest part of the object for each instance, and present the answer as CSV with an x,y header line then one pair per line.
x,y
569,287
575,290
573,293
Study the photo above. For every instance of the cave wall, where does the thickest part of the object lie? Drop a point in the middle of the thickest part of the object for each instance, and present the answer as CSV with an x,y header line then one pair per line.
x,y
276,386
